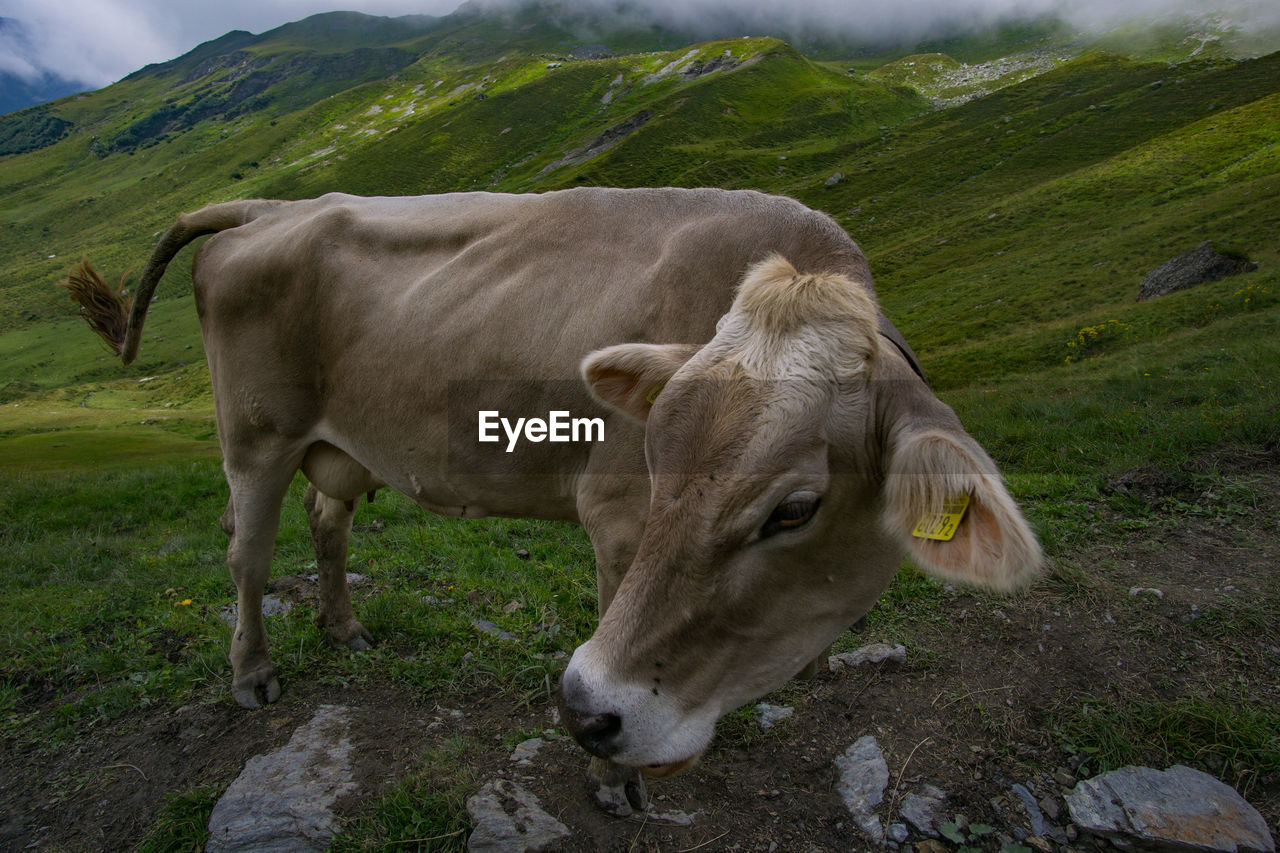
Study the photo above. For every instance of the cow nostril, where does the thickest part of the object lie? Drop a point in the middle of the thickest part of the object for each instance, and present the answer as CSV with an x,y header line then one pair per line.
x,y
597,733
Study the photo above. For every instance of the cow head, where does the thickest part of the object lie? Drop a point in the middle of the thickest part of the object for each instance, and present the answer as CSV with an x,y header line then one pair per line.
x,y
790,459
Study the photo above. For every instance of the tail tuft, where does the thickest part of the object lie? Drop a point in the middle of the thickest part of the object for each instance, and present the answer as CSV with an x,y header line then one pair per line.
x,y
105,310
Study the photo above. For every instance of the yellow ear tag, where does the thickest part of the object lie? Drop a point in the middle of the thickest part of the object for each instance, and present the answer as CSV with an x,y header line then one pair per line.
x,y
943,525
653,393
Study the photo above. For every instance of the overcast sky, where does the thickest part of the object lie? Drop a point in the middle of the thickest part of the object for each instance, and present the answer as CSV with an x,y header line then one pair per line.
x,y
99,41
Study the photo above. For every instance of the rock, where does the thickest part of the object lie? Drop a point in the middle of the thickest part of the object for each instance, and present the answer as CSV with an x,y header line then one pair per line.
x,y
922,809
1198,266
898,832
486,627
591,51
527,750
271,606
835,179
509,819
675,818
874,653
863,776
1135,591
1032,808
281,802
930,845
770,715
1179,809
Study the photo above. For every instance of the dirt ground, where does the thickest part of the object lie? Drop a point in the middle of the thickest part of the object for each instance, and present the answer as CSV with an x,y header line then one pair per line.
x,y
970,712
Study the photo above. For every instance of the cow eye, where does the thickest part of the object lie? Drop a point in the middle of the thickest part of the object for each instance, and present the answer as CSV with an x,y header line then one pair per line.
x,y
795,511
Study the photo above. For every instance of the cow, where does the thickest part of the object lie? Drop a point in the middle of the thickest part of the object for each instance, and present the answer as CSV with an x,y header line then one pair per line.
x,y
772,451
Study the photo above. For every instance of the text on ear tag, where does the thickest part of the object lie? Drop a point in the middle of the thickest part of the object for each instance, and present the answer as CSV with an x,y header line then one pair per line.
x,y
943,525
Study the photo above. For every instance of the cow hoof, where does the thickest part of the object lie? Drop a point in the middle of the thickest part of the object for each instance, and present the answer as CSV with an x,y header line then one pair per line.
x,y
252,694
351,636
618,790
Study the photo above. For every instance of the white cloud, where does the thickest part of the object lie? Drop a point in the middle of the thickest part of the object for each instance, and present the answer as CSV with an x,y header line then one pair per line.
x,y
93,41
98,41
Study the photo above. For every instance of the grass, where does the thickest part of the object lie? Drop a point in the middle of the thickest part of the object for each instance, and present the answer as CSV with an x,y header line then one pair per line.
x,y
182,823
425,812
1238,742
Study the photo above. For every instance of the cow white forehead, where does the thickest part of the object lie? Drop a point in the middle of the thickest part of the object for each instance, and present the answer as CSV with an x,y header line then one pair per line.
x,y
787,325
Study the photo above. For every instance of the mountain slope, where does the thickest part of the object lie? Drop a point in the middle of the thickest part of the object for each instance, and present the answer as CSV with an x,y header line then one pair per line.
x,y
998,226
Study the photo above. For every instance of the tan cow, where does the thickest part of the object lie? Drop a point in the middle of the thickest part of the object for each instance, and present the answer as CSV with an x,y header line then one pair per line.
x,y
771,444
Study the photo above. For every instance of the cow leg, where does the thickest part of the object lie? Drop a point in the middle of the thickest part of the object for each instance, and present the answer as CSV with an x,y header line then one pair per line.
x,y
330,520
254,518
815,666
618,789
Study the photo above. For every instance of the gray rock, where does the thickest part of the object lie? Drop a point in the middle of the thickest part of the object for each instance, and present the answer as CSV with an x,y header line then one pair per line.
x,y
922,809
863,776
509,819
835,179
675,818
1032,808
271,606
527,750
1198,266
769,716
898,832
487,627
281,802
1178,809
874,653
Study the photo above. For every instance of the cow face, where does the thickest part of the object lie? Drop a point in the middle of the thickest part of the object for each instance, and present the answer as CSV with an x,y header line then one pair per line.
x,y
789,461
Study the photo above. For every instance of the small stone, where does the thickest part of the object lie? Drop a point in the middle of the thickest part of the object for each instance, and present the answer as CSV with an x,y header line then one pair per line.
x,y
923,808
898,832
527,750
1050,808
835,179
931,845
522,553
509,819
1135,591
863,776
486,627
1032,809
1179,809
874,653
770,715
675,818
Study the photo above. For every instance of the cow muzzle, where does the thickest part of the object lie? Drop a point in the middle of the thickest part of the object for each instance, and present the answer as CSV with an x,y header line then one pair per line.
x,y
627,723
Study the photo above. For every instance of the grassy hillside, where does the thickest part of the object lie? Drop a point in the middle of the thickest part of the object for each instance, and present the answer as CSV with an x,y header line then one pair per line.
x,y
1009,216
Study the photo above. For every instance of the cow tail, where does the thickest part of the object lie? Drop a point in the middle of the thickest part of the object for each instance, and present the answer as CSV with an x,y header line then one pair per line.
x,y
116,316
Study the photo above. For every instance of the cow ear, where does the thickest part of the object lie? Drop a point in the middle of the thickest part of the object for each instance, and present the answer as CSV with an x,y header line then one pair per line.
x,y
945,500
629,377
